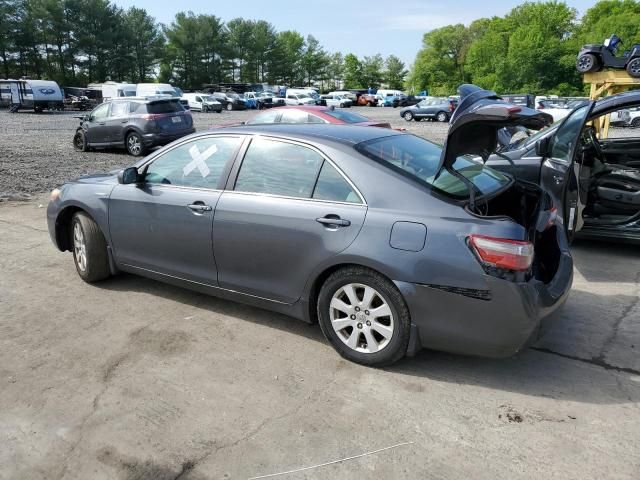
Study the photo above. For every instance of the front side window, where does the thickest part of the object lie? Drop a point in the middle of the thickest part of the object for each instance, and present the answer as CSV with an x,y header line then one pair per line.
x,y
100,113
278,168
198,163
568,135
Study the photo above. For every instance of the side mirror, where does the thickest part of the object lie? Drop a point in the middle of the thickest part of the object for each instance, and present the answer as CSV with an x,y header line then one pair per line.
x,y
542,147
129,175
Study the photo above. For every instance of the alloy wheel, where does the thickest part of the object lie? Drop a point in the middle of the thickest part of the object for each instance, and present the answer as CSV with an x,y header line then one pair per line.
x,y
134,145
585,63
634,68
361,318
442,117
79,247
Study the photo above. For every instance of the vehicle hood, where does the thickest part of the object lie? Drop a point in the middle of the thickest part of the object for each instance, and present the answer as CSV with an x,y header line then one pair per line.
x,y
474,125
107,178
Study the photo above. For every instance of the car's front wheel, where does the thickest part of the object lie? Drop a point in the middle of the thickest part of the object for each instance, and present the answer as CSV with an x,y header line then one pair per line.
x,y
635,122
364,316
229,107
408,116
89,249
134,144
80,141
587,63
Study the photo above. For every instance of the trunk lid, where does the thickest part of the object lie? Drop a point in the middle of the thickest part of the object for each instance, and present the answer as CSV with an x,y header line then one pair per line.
x,y
475,123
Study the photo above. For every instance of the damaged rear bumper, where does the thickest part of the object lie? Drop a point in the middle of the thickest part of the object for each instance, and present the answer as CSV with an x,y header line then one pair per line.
x,y
494,322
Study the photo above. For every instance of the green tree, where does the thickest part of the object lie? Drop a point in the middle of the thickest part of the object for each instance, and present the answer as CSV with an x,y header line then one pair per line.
x,y
394,72
352,72
314,61
372,71
146,43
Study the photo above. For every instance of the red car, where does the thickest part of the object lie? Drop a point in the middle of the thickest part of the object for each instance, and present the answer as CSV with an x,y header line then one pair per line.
x,y
314,114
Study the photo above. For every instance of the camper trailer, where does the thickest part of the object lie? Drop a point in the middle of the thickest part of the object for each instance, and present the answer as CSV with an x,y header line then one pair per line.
x,y
38,95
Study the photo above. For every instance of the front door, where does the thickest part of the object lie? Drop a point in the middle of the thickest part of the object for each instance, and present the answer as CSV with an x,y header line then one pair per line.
x,y
96,125
164,224
289,211
560,173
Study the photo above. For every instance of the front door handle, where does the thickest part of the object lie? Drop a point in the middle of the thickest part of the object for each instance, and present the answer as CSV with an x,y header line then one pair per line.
x,y
199,207
333,221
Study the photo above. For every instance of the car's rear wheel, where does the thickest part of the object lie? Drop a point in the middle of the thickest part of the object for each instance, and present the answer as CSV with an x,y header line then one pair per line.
x,y
442,117
205,109
635,122
408,116
633,68
229,107
80,141
134,144
587,63
364,316
89,249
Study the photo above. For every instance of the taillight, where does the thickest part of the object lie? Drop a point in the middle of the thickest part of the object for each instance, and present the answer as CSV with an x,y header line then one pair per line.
x,y
152,116
502,252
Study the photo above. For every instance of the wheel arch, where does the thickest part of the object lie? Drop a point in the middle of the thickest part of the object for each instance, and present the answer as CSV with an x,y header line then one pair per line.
x,y
318,279
63,226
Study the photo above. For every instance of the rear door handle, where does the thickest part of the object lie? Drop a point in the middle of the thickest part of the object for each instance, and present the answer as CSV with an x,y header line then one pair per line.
x,y
333,221
199,207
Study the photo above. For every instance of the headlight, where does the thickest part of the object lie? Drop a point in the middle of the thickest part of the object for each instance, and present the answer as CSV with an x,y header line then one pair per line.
x,y
55,194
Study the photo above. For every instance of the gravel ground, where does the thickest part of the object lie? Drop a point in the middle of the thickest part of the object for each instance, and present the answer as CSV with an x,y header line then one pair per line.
x,y
37,152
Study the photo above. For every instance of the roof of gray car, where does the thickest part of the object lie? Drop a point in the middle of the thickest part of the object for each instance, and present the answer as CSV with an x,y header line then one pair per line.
x,y
346,134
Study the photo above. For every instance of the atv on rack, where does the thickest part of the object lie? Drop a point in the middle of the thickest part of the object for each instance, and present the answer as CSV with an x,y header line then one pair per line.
x,y
593,58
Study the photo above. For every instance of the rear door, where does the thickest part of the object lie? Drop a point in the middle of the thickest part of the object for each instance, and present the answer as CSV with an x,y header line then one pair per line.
x,y
116,122
289,210
164,224
560,172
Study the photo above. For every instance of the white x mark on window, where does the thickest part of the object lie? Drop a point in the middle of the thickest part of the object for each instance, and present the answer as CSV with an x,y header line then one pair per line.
x,y
199,160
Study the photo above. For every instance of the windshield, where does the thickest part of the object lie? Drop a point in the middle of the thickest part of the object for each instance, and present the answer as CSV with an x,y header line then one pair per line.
x,y
346,116
303,95
419,159
128,93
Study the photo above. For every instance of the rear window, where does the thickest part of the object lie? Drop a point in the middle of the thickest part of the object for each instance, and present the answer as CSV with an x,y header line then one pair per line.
x,y
345,116
165,107
419,159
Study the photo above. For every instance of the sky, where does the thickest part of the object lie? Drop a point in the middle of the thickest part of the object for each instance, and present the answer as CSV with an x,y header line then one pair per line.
x,y
359,27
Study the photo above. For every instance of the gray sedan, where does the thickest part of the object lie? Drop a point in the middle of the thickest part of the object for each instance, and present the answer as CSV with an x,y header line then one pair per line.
x,y
388,242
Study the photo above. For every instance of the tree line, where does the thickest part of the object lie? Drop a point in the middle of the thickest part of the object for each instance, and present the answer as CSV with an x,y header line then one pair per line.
x,y
76,42
532,49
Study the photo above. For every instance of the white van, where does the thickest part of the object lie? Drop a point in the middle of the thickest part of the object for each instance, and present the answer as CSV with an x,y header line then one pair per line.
x,y
155,89
117,90
202,102
297,97
345,94
386,93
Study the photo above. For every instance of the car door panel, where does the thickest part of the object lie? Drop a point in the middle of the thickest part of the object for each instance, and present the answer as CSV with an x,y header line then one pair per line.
x,y
267,246
622,151
96,126
116,122
153,227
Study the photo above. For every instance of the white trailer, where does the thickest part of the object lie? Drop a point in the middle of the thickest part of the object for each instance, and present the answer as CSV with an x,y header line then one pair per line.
x,y
38,95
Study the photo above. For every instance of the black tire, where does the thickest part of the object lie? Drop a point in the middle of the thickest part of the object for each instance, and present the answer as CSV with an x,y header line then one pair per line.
x,y
396,348
229,107
134,144
587,63
633,68
408,116
205,109
219,111
442,117
80,141
96,264
635,123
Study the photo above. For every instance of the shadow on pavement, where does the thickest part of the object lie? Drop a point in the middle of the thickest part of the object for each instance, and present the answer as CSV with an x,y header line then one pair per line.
x,y
531,372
